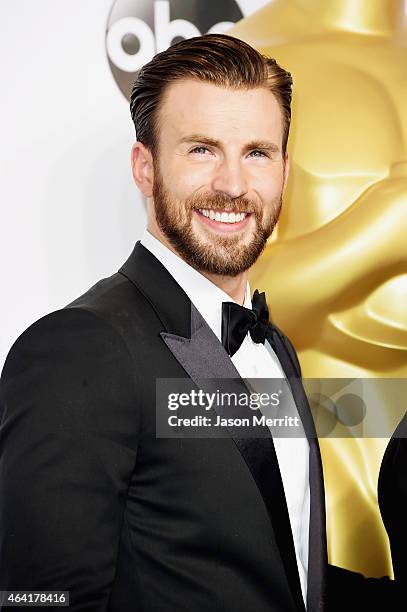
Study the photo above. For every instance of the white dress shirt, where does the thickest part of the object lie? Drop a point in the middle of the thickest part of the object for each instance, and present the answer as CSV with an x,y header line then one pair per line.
x,y
252,360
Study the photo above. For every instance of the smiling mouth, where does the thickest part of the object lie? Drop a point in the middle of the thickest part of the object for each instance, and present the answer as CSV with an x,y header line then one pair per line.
x,y
223,221
223,216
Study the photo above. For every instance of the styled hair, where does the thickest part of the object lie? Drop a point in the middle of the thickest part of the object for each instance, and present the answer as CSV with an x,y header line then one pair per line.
x,y
216,58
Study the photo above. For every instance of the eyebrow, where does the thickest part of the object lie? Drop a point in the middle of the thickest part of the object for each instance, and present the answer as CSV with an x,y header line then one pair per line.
x,y
264,145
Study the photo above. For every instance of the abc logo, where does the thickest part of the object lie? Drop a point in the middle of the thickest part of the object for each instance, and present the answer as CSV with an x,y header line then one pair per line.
x,y
138,29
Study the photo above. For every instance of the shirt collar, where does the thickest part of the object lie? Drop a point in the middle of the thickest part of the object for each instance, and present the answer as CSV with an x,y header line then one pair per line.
x,y
205,295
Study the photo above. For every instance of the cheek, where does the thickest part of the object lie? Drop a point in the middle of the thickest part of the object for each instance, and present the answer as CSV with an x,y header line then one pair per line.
x,y
176,182
191,173
184,180
269,184
270,196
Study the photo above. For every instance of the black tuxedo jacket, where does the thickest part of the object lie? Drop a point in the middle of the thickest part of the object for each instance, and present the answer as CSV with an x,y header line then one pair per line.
x,y
92,502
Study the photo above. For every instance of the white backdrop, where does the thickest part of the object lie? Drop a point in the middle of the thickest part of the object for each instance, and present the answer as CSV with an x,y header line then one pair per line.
x,y
70,213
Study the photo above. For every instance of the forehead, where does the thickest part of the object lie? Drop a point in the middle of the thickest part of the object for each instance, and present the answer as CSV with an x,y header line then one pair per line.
x,y
191,106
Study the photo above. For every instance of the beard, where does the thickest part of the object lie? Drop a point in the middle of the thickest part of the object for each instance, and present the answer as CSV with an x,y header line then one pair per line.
x,y
226,255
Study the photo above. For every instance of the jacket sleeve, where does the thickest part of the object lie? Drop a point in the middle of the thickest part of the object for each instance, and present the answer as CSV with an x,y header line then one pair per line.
x,y
68,443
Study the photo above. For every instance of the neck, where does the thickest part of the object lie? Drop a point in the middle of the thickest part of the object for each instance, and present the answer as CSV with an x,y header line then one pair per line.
x,y
234,286
380,17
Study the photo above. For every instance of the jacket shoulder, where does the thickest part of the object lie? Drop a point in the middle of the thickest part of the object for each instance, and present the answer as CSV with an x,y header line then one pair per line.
x,y
98,320
109,296
68,338
69,369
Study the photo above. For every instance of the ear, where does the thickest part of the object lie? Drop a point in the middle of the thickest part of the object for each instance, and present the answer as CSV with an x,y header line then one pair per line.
x,y
286,170
142,168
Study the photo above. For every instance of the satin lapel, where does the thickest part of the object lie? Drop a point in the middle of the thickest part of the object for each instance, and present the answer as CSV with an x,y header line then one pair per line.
x,y
202,356
317,556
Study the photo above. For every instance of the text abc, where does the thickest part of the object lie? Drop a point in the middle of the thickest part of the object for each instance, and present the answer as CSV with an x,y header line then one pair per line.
x,y
151,42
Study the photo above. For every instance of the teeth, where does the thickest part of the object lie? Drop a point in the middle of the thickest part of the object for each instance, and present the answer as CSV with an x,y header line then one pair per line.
x,y
223,217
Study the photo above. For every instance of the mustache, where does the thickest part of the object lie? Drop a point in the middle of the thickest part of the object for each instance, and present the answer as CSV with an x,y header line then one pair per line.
x,y
222,202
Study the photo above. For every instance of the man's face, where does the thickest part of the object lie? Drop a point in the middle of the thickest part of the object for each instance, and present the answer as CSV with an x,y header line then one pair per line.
x,y
219,174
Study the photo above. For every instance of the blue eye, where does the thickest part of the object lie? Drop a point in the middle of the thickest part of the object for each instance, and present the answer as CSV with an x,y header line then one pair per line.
x,y
199,150
260,153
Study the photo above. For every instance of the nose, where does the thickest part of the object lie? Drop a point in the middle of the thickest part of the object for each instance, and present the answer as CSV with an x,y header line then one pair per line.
x,y
230,179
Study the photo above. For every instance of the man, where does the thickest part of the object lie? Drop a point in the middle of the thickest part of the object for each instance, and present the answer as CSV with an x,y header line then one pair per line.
x,y
93,501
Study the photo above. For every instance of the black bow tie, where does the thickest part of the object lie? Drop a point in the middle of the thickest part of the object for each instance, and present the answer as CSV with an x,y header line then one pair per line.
x,y
238,320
